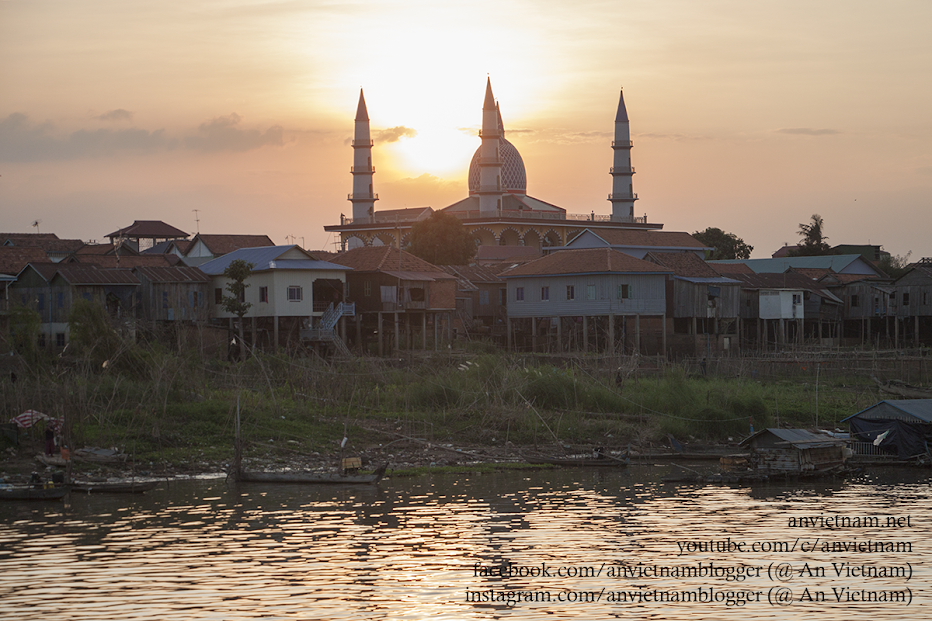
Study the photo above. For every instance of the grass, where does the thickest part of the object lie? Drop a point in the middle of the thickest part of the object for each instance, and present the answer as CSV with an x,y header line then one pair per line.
x,y
178,408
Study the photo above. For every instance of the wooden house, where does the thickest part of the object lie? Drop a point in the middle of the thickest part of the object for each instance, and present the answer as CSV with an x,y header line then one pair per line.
x,y
912,305
397,295
480,299
794,452
869,306
146,234
169,294
288,289
783,309
702,306
596,297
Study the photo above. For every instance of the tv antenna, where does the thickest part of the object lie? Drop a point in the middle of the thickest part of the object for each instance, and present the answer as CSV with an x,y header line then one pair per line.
x,y
35,224
197,221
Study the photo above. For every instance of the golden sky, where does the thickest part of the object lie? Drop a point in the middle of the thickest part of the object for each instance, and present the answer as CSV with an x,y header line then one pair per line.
x,y
747,116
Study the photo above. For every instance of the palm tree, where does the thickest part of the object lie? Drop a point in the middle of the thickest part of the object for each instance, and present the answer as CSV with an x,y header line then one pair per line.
x,y
813,241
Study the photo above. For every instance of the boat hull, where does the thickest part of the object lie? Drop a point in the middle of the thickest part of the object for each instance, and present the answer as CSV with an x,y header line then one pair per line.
x,y
114,488
33,493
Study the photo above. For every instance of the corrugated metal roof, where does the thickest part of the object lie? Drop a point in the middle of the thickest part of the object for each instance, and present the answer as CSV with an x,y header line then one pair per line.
x,y
837,263
267,258
172,274
797,438
419,275
78,274
586,261
920,409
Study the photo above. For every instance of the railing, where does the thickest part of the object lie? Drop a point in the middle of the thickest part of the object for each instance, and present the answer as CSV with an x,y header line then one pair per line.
x,y
622,143
349,309
630,196
362,170
493,134
368,196
868,448
488,189
507,214
491,161
362,143
621,170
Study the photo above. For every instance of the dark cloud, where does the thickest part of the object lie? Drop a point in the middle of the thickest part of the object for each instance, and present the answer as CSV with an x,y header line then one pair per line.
x,y
808,131
116,115
221,134
393,134
24,141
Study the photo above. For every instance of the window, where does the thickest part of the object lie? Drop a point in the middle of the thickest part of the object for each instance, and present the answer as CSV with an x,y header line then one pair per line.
x,y
59,339
86,295
367,288
502,297
570,292
855,302
165,299
295,294
905,299
797,298
218,296
42,339
40,302
590,292
544,294
264,294
60,297
624,292
483,298
925,298
519,294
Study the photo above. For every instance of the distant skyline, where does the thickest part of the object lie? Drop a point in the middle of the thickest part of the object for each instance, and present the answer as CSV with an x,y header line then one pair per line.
x,y
749,117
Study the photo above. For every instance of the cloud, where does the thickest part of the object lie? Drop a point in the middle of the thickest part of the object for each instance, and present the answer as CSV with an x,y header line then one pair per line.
x,y
670,136
221,134
393,134
565,137
808,131
116,115
23,141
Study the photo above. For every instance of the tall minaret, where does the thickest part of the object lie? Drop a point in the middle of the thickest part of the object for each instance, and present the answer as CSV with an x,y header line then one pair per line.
x,y
490,160
363,198
622,196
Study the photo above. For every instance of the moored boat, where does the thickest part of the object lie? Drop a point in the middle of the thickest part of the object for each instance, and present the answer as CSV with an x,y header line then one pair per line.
x,y
311,477
32,493
114,487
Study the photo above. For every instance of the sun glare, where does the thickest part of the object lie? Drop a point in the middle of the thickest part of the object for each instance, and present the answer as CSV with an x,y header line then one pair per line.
x,y
441,151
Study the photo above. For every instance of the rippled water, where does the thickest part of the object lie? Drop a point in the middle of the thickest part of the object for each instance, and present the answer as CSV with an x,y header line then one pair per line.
x,y
409,549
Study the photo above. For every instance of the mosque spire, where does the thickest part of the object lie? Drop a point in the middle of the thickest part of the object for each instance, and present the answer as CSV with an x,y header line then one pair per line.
x,y
363,198
490,159
622,196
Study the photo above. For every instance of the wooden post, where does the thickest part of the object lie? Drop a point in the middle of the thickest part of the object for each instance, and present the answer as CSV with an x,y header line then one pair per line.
x,y
409,340
560,334
359,342
585,333
424,331
379,329
508,333
436,331
534,334
610,348
397,332
663,337
896,332
916,324
275,331
637,334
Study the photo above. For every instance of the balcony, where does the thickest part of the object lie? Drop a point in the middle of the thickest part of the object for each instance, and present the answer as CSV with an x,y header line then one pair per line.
x,y
489,189
363,170
504,215
362,143
491,161
621,170
493,134
621,144
624,196
367,196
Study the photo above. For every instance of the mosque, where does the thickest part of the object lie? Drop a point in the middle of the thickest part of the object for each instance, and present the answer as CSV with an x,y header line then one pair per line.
x,y
498,209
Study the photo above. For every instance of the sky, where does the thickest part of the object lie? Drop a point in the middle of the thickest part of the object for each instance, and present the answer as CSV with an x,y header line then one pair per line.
x,y
235,116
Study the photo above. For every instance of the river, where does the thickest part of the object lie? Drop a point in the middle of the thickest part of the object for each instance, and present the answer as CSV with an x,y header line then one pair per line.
x,y
544,544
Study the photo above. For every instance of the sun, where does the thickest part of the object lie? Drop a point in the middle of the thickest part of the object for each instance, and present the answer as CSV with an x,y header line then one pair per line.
x,y
439,151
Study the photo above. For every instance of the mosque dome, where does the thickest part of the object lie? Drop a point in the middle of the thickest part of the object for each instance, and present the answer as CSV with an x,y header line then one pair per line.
x,y
514,177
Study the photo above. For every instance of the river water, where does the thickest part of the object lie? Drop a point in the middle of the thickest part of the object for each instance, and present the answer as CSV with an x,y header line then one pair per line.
x,y
572,544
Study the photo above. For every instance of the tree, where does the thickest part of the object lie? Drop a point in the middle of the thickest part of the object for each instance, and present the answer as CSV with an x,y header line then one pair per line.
x,y
441,239
813,241
238,271
724,245
894,266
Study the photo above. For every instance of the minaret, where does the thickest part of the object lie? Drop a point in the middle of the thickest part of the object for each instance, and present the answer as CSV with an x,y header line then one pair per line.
x,y
363,198
490,160
622,196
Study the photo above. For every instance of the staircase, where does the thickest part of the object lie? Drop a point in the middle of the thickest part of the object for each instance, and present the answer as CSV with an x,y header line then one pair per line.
x,y
324,331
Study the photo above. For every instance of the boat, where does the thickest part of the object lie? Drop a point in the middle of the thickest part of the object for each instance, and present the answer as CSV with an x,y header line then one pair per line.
x,y
311,477
598,459
114,487
32,493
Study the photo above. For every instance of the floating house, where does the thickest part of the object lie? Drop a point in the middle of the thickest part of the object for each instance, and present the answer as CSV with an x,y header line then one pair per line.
x,y
794,451
894,427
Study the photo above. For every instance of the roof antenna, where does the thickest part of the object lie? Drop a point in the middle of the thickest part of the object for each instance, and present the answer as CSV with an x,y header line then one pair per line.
x,y
197,221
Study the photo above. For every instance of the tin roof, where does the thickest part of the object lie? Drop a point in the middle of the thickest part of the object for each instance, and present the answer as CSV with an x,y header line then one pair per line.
x,y
148,228
586,261
920,409
797,438
269,258
172,274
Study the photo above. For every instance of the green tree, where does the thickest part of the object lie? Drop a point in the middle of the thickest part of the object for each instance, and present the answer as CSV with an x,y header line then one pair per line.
x,y
91,334
895,266
441,239
24,325
238,271
724,245
813,241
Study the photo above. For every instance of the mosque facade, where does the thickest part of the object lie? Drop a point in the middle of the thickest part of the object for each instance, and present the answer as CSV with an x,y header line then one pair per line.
x,y
498,209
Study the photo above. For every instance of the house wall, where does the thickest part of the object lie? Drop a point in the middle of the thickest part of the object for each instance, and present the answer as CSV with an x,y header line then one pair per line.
x,y
778,304
442,294
919,287
199,250
174,301
692,300
278,282
647,295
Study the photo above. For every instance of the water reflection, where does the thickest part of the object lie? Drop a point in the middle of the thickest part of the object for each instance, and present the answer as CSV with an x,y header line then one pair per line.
x,y
410,549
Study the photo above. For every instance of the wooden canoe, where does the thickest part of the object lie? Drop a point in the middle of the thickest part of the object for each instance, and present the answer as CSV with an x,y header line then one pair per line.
x,y
128,487
310,477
